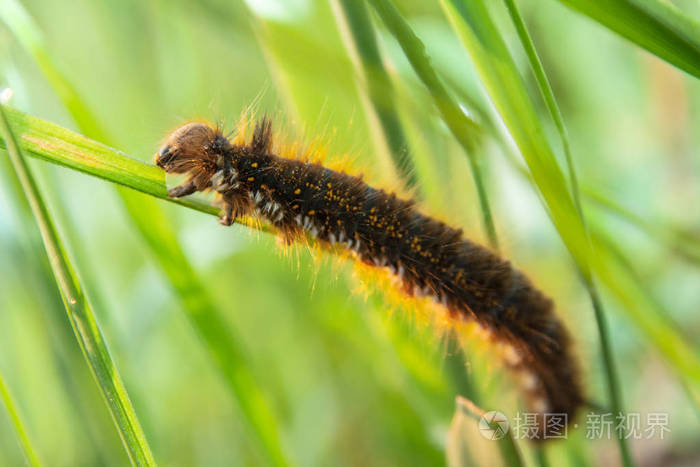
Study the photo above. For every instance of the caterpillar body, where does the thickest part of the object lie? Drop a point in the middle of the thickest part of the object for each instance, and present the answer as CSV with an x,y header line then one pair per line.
x,y
426,256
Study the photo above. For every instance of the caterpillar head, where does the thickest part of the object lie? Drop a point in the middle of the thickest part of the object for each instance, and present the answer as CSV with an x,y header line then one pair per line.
x,y
192,146
195,149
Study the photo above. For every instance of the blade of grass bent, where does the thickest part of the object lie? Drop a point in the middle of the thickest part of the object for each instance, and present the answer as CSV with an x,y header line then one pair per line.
x,y
465,130
22,436
80,313
655,25
160,236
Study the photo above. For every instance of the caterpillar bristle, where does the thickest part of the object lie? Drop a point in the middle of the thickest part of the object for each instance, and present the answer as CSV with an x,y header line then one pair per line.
x,y
427,258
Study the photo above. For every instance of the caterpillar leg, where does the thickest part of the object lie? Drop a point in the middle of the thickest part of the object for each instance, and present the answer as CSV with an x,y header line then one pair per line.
x,y
227,217
182,190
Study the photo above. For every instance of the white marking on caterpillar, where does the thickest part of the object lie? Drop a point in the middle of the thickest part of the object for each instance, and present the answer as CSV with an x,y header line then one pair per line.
x,y
511,356
217,179
529,381
331,238
297,218
341,237
258,197
314,231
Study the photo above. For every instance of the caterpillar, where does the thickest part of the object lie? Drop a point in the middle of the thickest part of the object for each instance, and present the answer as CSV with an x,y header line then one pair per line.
x,y
426,257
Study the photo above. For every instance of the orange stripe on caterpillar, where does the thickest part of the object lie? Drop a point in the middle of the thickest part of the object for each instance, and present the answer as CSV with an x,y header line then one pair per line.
x,y
427,257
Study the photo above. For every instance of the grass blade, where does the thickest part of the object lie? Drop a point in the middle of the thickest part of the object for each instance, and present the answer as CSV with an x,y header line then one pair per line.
x,y
80,313
615,394
360,37
655,25
160,236
78,384
465,130
547,95
22,436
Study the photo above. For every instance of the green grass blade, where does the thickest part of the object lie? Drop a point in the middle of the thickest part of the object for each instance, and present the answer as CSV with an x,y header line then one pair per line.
x,y
78,384
160,236
353,17
655,25
22,436
547,95
610,368
465,130
498,73
80,313
615,393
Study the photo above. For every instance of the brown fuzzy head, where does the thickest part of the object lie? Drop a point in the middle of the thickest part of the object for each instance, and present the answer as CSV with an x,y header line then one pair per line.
x,y
192,147
196,149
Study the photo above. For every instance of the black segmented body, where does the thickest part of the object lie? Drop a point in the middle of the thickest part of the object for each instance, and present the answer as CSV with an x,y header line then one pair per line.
x,y
428,257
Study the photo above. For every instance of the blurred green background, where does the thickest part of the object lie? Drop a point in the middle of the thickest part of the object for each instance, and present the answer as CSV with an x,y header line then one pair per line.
x,y
351,378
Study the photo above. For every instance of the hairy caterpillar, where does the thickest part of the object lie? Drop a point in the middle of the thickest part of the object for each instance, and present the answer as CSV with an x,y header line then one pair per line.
x,y
426,256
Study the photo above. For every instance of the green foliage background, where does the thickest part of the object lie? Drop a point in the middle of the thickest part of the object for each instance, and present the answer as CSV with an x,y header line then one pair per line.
x,y
347,378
